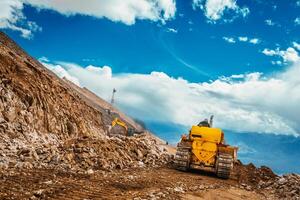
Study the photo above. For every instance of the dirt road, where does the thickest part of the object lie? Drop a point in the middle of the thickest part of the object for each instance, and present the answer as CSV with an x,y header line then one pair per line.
x,y
142,183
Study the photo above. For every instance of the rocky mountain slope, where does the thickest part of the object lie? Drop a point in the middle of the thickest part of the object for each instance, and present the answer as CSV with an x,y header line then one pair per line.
x,y
46,121
34,101
109,112
54,144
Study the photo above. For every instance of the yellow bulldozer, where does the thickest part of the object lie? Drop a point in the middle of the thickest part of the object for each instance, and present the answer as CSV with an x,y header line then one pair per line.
x,y
204,148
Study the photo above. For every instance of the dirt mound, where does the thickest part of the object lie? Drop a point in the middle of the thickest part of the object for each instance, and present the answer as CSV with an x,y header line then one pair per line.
x,y
264,179
286,186
251,175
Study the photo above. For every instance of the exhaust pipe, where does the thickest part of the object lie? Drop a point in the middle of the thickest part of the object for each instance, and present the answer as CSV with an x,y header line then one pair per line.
x,y
211,120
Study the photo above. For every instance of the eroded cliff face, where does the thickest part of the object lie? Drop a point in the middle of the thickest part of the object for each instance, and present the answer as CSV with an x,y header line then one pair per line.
x,y
34,101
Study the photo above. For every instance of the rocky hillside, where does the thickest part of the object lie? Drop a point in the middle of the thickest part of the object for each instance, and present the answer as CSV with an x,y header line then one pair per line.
x,y
109,112
35,102
46,121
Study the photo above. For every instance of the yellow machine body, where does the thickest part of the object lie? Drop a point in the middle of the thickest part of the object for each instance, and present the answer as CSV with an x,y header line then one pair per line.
x,y
205,142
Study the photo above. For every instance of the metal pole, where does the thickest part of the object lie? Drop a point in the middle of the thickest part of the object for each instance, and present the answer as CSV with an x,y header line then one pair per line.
x,y
113,96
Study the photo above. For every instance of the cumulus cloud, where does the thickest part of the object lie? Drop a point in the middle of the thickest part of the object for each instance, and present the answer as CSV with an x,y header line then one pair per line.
x,y
172,30
244,103
60,71
277,62
296,45
290,55
125,11
297,21
11,17
104,71
229,39
214,10
269,22
254,41
242,39
269,52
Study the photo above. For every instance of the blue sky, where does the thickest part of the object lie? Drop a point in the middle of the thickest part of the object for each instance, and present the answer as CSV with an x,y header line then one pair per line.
x,y
175,62
87,40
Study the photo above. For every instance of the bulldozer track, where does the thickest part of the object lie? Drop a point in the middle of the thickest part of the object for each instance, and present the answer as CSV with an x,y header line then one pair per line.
x,y
182,158
224,165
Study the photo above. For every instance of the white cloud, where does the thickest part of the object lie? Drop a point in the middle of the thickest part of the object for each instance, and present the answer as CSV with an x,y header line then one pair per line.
x,y
277,62
11,17
125,11
44,59
239,102
172,30
269,52
215,9
269,22
296,45
198,3
60,71
290,55
254,41
229,39
104,71
297,21
243,39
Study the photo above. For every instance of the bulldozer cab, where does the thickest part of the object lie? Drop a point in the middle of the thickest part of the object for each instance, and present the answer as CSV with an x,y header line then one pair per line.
x,y
204,123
